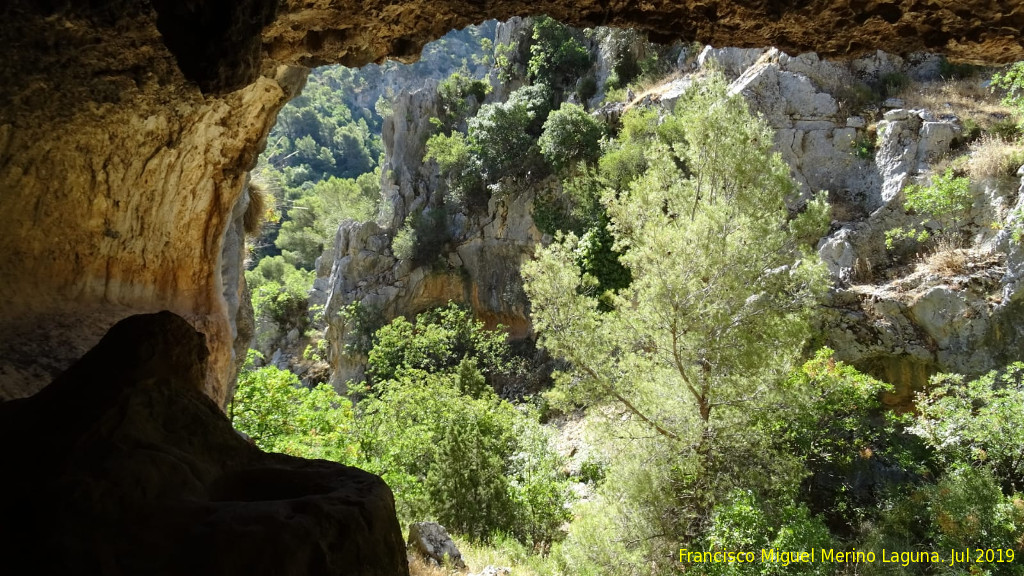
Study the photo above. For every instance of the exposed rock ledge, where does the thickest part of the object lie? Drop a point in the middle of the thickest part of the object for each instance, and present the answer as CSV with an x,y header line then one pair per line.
x,y
123,466
127,126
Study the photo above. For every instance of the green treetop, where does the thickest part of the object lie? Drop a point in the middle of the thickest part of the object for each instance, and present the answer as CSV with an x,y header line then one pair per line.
x,y
717,310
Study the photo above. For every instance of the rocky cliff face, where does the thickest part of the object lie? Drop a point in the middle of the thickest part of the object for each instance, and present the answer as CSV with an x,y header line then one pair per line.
x,y
882,316
899,322
478,264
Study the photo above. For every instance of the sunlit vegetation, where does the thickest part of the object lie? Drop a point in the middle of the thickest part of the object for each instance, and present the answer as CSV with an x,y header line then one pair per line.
x,y
677,292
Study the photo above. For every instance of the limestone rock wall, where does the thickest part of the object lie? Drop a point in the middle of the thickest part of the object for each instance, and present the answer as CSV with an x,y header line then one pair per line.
x,y
478,266
881,316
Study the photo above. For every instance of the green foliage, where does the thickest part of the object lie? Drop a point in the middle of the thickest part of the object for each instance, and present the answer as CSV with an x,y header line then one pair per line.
x,y
571,137
1012,81
504,135
680,358
946,203
428,232
742,522
967,509
597,258
437,342
634,59
317,211
460,165
280,294
626,158
358,324
864,147
586,87
501,142
557,56
976,423
446,444
467,484
403,245
453,94
836,425
317,136
272,408
574,207
812,223
964,509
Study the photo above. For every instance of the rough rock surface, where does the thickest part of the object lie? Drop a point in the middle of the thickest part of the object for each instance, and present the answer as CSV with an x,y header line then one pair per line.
x,y
431,541
124,466
479,265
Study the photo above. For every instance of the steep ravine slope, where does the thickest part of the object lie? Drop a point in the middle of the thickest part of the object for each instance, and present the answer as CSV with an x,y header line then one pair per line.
x,y
882,316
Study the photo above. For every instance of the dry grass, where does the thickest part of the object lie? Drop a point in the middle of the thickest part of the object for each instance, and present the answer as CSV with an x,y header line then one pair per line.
x,y
968,99
947,262
504,553
256,211
420,567
992,157
947,258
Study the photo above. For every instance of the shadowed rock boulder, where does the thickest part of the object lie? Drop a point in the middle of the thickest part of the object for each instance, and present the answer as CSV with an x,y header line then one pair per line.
x,y
124,466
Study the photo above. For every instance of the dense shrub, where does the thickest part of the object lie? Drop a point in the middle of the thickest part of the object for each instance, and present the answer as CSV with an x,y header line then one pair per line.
x,y
1012,81
571,137
975,423
437,343
945,204
316,211
279,295
453,98
449,447
273,409
557,56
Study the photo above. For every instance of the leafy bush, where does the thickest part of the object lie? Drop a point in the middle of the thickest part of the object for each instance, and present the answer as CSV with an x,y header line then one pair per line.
x,y
1012,80
626,158
571,137
273,409
813,222
318,210
575,206
504,135
460,165
443,440
597,257
501,142
280,294
836,425
976,423
359,322
453,94
437,343
742,522
557,56
317,136
403,244
946,203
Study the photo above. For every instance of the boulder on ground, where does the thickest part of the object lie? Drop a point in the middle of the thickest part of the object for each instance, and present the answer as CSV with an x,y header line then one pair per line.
x,y
431,541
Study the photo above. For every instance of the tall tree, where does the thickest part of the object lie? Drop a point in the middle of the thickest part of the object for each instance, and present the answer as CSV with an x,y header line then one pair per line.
x,y
722,290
